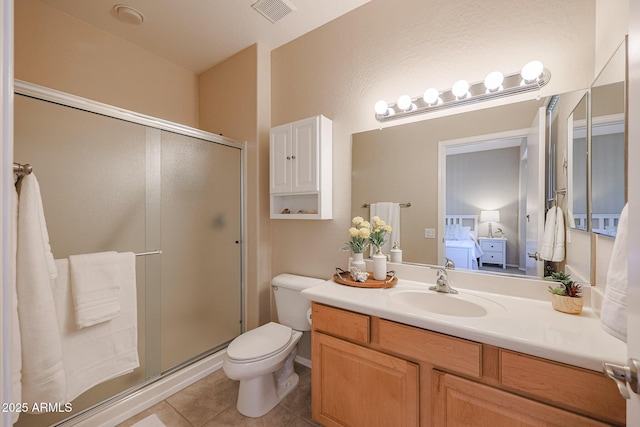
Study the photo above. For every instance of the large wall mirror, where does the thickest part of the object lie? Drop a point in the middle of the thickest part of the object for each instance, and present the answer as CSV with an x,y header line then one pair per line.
x,y
486,175
577,166
608,145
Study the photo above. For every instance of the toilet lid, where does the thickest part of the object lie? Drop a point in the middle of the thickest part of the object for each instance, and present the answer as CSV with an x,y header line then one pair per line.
x,y
260,342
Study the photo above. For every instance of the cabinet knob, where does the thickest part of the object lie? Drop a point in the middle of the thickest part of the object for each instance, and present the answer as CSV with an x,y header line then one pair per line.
x,y
293,157
288,157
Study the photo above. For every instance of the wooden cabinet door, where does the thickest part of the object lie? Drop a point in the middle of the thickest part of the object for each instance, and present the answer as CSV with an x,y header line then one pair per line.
x,y
459,402
356,386
305,140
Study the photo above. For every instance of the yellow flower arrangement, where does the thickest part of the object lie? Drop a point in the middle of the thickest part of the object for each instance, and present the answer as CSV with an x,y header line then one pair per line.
x,y
359,234
380,229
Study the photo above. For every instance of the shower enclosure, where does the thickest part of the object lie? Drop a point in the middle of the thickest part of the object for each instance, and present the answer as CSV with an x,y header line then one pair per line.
x,y
113,180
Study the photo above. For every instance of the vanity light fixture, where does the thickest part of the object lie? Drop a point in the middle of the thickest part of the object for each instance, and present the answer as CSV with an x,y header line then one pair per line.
x,y
460,89
432,97
404,103
533,76
493,81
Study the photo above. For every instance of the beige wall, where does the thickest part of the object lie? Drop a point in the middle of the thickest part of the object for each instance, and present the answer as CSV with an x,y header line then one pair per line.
x,y
58,51
384,49
234,101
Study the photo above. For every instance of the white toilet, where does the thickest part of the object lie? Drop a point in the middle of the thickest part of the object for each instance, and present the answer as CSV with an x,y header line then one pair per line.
x,y
262,358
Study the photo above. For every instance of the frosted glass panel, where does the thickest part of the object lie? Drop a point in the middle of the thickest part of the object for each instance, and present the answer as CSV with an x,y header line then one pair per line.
x,y
91,171
201,231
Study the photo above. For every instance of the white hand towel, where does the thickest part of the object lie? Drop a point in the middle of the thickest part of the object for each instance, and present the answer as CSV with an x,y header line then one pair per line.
x,y
552,245
43,376
390,213
105,350
95,285
16,351
558,246
613,315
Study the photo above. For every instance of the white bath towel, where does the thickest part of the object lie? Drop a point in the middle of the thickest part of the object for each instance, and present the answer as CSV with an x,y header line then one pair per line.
x,y
102,351
43,376
390,213
613,316
16,351
552,245
95,287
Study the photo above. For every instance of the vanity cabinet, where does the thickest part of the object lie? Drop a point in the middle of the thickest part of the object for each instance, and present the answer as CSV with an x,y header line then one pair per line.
x,y
300,169
369,371
461,402
494,251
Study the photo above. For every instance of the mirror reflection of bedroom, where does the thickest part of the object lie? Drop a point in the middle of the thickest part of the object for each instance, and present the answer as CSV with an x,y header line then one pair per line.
x,y
485,188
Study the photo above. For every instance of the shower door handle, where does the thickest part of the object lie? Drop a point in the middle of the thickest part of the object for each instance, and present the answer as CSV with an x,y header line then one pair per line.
x,y
624,375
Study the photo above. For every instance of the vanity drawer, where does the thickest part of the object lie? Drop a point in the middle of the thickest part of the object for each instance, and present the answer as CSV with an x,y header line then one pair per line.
x,y
581,390
443,351
341,323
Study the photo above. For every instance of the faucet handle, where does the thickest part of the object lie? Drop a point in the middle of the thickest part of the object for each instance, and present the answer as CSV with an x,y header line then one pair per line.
x,y
449,264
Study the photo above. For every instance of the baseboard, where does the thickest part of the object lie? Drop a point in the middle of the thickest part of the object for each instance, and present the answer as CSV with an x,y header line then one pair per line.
x,y
148,396
303,361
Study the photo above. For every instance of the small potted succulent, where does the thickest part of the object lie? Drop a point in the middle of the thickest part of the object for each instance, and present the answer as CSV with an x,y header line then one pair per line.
x,y
567,296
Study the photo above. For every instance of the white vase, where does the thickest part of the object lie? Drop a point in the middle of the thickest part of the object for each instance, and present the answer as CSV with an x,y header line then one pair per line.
x,y
379,266
358,262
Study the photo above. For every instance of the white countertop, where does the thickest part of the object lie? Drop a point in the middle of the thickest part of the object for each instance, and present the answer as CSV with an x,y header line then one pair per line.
x,y
524,324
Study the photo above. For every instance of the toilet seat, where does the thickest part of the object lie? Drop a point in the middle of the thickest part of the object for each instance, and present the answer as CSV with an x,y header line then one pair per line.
x,y
259,343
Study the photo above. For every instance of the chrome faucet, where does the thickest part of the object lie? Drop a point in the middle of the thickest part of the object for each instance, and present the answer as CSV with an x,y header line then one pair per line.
x,y
449,264
442,283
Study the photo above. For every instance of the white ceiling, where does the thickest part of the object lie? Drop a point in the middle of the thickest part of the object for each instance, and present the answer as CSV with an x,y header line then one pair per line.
x,y
198,34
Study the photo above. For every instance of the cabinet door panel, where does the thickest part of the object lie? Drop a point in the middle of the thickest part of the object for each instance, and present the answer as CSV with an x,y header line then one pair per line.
x,y
460,402
357,386
280,159
305,150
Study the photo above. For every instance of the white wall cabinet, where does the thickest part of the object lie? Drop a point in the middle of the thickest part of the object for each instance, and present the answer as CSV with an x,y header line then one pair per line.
x,y
300,169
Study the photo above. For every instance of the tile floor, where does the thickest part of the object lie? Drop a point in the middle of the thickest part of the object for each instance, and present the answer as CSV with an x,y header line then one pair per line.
x,y
211,402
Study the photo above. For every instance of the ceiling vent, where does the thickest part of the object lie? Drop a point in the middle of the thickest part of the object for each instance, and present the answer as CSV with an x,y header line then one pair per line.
x,y
273,10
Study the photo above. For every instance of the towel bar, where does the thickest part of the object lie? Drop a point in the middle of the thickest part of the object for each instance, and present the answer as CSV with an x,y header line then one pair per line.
x,y
149,253
402,205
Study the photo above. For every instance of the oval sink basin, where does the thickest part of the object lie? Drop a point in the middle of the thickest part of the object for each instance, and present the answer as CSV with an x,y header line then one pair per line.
x,y
440,303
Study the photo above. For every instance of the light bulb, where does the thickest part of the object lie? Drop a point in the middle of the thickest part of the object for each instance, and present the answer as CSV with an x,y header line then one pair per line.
x,y
404,102
493,81
381,107
531,71
460,89
432,96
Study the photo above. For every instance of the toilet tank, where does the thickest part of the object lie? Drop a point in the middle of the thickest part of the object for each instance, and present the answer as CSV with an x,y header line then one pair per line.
x,y
290,304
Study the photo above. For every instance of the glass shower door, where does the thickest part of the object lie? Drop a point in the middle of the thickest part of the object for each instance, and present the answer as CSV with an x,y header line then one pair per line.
x,y
201,258
110,184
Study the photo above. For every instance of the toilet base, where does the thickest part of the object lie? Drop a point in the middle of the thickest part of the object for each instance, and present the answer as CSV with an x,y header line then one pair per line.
x,y
259,395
